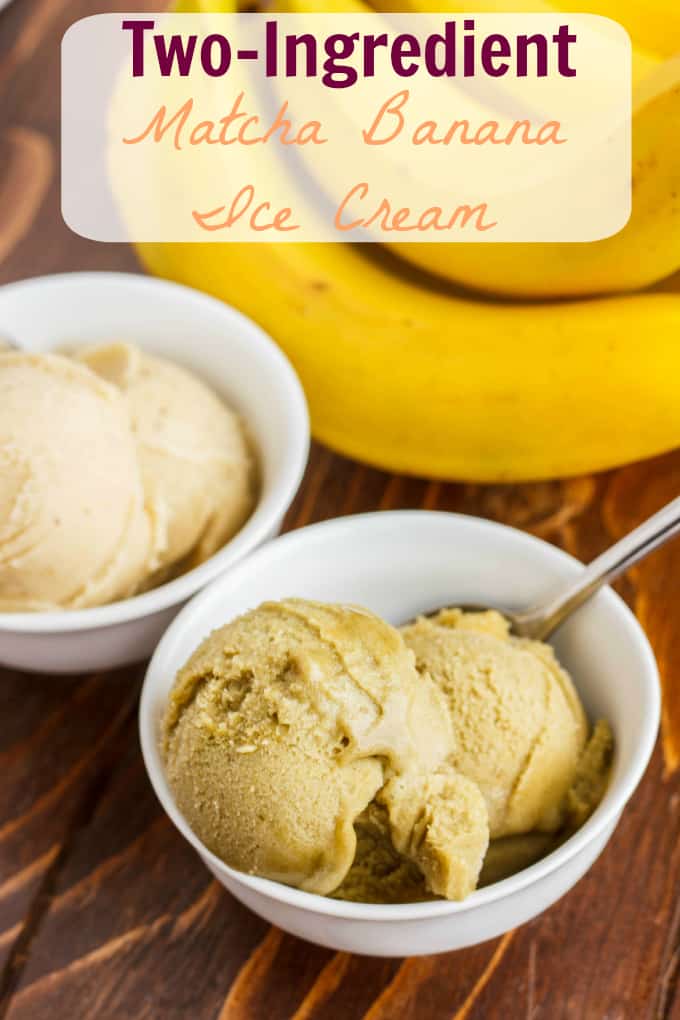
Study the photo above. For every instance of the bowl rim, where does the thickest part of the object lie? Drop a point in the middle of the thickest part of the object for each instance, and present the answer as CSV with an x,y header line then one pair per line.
x,y
270,507
605,815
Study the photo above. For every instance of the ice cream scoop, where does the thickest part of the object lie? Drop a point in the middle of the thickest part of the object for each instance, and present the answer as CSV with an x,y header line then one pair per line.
x,y
285,724
518,722
118,470
73,530
197,469
380,874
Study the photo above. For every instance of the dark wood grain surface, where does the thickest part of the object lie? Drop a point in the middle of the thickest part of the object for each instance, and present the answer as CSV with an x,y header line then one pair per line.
x,y
105,914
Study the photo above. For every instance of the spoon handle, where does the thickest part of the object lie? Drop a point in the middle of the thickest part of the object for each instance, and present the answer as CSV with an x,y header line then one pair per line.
x,y
538,623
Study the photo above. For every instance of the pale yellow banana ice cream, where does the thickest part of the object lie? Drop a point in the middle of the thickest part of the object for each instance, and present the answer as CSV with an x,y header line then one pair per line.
x,y
73,530
117,471
197,470
286,724
518,722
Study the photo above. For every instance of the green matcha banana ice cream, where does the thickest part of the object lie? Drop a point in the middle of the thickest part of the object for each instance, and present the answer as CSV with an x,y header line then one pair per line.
x,y
318,746
286,724
519,725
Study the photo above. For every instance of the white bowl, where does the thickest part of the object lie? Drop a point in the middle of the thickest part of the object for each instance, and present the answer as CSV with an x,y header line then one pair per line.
x,y
229,352
399,564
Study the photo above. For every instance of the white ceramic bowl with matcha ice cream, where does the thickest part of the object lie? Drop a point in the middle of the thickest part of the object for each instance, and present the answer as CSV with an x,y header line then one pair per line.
x,y
398,565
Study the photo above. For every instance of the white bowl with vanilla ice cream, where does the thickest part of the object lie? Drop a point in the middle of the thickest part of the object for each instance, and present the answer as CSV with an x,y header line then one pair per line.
x,y
150,436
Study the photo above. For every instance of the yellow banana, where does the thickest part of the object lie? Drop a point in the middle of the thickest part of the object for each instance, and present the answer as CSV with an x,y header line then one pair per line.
x,y
654,24
414,380
654,27
645,251
669,286
411,378
317,6
645,58
206,6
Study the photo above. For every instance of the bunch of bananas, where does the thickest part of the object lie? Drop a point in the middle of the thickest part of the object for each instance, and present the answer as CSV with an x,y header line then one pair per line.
x,y
413,368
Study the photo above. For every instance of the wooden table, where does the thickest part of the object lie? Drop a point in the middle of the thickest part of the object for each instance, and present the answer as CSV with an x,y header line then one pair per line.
x,y
105,912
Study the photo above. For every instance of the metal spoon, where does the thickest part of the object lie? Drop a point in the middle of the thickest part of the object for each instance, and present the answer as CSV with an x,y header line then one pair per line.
x,y
541,620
